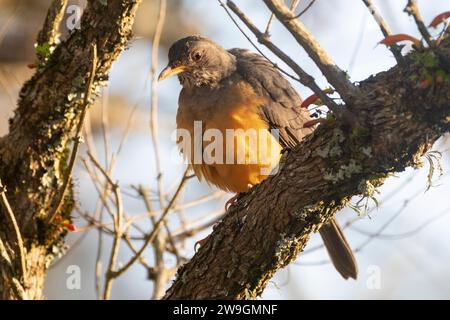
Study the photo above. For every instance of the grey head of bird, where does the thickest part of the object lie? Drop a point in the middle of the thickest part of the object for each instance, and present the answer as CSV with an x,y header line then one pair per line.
x,y
198,62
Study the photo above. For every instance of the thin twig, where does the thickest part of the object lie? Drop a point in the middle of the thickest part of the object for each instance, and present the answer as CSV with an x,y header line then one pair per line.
x,y
159,243
385,30
413,10
310,4
149,239
405,234
442,34
229,4
116,243
118,232
105,126
18,237
50,30
154,97
190,232
269,23
99,215
362,29
78,136
150,210
95,180
7,266
304,79
335,76
294,4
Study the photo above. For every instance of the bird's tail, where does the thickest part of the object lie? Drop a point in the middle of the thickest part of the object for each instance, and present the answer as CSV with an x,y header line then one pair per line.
x,y
339,250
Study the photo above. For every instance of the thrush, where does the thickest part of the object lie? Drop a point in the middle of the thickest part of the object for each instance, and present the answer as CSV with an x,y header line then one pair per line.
x,y
233,91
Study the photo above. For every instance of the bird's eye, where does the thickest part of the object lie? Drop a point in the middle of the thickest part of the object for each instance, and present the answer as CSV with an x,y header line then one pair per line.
x,y
197,56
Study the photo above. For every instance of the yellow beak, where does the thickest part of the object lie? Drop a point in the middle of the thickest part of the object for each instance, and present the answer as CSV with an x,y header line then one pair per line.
x,y
169,71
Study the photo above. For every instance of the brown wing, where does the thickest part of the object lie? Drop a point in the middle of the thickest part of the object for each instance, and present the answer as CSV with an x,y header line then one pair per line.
x,y
282,110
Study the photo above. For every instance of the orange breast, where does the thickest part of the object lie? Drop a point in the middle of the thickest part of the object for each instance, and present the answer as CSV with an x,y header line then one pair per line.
x,y
233,149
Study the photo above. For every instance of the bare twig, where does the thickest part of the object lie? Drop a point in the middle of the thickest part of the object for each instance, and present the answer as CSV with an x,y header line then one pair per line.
x,y
190,232
305,78
21,253
384,27
150,210
251,42
444,31
105,126
160,275
294,4
310,4
149,239
78,136
154,97
118,232
362,29
116,243
413,10
49,32
159,243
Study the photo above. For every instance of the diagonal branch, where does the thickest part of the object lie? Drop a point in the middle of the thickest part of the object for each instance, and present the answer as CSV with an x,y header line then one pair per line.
x,y
78,136
269,226
384,27
335,76
264,39
413,10
50,30
20,250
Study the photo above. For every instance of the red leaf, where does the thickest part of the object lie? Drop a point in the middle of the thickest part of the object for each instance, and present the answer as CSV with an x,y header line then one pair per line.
x,y
308,101
439,19
393,39
310,123
31,66
70,226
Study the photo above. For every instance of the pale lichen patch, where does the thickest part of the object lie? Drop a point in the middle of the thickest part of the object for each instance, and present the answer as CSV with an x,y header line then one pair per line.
x,y
333,147
345,171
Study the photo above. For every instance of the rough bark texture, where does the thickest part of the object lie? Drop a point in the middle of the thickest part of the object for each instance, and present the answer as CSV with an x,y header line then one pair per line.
x,y
33,154
399,120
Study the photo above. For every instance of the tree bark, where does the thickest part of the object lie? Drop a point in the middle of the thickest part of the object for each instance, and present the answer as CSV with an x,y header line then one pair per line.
x,y
397,120
34,153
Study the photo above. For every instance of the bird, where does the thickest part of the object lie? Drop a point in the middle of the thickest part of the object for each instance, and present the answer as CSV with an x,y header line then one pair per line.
x,y
240,90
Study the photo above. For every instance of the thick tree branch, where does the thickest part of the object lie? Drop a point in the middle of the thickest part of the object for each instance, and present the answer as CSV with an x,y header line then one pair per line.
x,y
270,225
34,154
49,31
17,240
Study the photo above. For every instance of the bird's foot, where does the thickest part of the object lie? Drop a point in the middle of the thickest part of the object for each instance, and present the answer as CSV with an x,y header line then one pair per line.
x,y
201,242
233,200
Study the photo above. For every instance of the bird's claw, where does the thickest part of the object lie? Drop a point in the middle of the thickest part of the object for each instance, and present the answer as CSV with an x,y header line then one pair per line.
x,y
233,200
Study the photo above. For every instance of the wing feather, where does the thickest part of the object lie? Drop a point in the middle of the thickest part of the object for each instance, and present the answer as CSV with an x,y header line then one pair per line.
x,y
282,110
